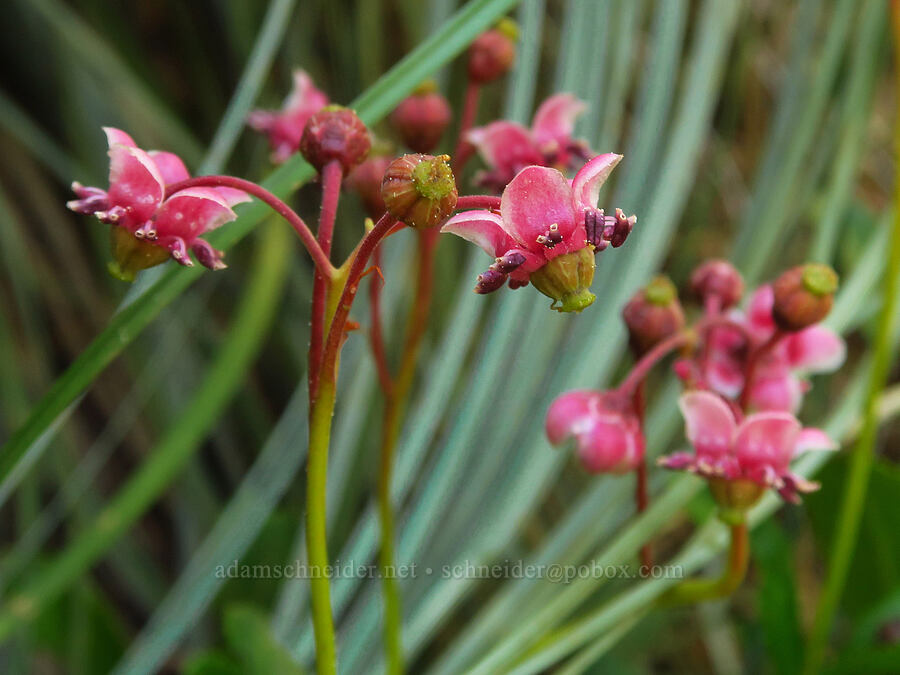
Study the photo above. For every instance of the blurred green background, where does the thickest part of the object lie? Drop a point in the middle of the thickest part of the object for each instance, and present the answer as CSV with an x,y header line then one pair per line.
x,y
755,130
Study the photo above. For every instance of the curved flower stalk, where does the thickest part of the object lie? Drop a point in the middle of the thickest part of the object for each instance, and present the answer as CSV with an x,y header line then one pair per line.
x,y
508,147
147,225
284,127
547,232
741,372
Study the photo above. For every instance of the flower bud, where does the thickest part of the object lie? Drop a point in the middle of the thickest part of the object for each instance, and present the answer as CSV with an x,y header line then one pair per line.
x,y
335,133
652,315
131,255
365,180
493,52
718,279
421,119
803,296
420,190
567,280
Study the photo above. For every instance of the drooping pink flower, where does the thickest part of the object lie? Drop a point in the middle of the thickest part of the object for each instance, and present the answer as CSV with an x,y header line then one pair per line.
x,y
605,427
285,127
547,232
508,147
779,378
135,204
758,449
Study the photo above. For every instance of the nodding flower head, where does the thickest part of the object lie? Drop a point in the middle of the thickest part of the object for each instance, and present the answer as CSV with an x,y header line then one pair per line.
x,y
803,296
508,147
653,314
742,457
421,118
547,233
335,133
718,281
284,127
493,53
147,226
420,190
779,376
606,429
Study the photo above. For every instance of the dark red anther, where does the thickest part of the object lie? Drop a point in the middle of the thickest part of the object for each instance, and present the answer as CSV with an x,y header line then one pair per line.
x,y
622,228
508,262
489,281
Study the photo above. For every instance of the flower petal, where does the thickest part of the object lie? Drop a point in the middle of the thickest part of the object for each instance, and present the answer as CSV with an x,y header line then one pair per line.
x,y
505,146
767,439
117,136
232,196
607,446
170,166
590,178
570,414
535,199
759,313
811,438
554,120
134,184
815,350
190,213
482,228
709,422
776,392
305,95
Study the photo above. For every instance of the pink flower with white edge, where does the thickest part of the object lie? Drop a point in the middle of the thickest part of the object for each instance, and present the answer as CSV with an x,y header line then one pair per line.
x,y
757,450
779,378
547,232
147,226
605,427
508,147
285,127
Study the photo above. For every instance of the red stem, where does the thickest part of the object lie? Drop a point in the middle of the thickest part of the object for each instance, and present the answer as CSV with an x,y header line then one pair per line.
x,y
478,202
376,336
464,149
753,361
641,498
357,267
332,174
309,241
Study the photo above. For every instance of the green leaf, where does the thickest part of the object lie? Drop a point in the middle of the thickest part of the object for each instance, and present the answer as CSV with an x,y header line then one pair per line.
x,y
247,631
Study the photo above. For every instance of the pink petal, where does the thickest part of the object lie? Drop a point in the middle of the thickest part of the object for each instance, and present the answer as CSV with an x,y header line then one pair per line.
x,y
778,392
233,197
608,446
759,312
590,178
816,349
724,374
134,183
482,228
190,213
170,166
505,146
767,440
305,95
554,120
535,199
709,423
811,438
117,136
570,414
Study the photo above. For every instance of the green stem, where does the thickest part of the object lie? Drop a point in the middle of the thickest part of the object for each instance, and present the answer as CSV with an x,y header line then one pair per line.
x,y
701,590
316,538
864,451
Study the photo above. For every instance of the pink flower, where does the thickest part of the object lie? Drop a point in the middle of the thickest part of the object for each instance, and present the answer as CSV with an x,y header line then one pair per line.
x,y
285,127
606,430
778,380
547,232
758,449
135,203
508,147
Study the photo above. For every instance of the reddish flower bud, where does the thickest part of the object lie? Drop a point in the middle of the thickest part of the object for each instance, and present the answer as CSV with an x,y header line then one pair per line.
x,y
420,190
652,315
493,52
421,119
803,296
335,133
718,279
365,180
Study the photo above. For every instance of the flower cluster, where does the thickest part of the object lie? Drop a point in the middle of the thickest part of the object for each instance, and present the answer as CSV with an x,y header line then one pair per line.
x,y
744,374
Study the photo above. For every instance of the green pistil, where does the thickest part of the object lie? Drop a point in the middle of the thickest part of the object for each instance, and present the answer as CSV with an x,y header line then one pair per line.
x,y
660,291
820,279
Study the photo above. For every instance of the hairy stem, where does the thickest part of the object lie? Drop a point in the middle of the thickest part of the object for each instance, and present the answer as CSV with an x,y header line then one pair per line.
x,y
376,334
640,490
